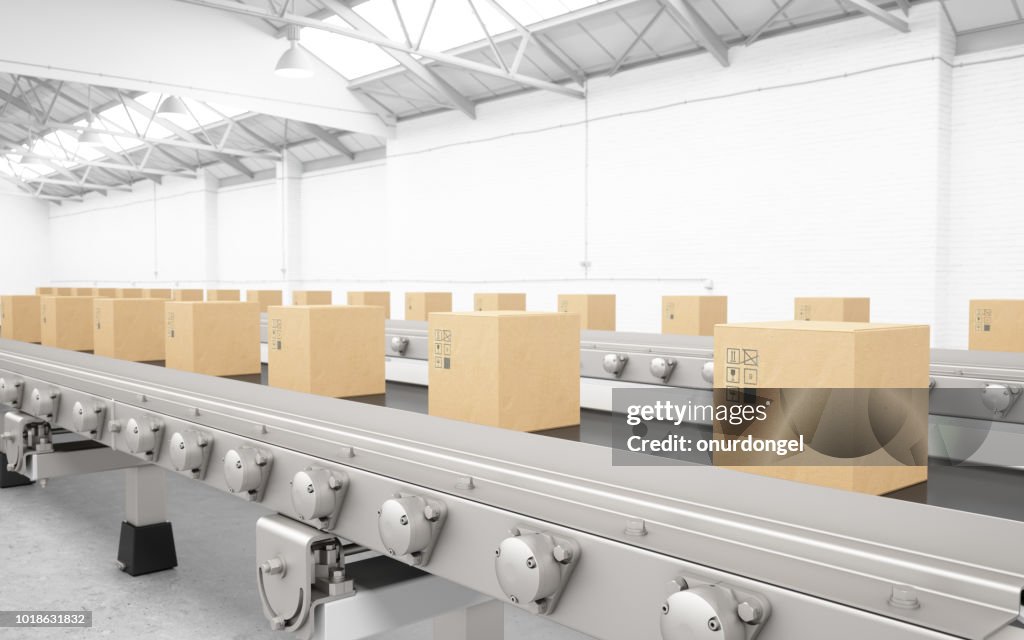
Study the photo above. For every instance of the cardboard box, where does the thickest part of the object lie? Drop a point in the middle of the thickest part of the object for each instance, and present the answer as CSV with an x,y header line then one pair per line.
x,y
98,292
66,322
63,291
215,338
327,350
372,298
82,291
223,295
19,318
129,329
420,304
164,294
693,315
45,291
128,293
858,392
187,295
832,309
596,311
996,325
311,297
265,298
511,369
499,302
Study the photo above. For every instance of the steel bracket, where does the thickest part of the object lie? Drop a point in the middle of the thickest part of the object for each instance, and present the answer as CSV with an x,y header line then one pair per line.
x,y
297,568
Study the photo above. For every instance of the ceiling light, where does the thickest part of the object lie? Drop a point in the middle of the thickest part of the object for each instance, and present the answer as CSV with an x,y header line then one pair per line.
x,y
91,138
173,108
294,62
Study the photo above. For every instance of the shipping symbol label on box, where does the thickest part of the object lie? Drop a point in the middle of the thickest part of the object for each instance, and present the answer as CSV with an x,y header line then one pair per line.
x,y
983,320
276,330
170,324
442,349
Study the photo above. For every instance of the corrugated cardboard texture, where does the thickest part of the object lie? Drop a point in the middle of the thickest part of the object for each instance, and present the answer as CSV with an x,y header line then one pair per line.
x,y
596,311
420,304
187,295
499,302
832,309
996,325
215,338
371,298
693,315
509,369
311,297
327,350
128,293
66,322
265,298
19,318
799,354
223,295
129,329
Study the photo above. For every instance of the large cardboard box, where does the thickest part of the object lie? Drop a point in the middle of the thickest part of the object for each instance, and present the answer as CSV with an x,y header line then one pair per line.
x,y
215,338
45,291
187,295
129,329
311,297
693,315
66,322
19,318
857,392
499,302
265,298
128,293
223,295
327,350
164,294
832,309
511,369
371,298
420,304
996,325
596,311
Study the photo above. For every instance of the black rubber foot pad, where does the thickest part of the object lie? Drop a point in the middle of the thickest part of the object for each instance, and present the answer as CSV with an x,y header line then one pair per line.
x,y
10,479
146,549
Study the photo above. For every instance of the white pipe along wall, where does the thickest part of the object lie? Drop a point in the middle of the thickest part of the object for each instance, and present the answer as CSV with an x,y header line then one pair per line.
x,y
818,163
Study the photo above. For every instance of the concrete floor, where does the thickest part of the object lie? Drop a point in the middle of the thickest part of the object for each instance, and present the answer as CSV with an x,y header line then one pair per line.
x,y
58,547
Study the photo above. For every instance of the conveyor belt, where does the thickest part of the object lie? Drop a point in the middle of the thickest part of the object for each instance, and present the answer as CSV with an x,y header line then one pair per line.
x,y
826,561
976,489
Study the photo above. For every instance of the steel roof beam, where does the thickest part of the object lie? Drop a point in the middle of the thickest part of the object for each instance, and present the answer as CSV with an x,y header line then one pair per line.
x,y
167,142
72,183
417,68
699,29
868,8
330,140
443,58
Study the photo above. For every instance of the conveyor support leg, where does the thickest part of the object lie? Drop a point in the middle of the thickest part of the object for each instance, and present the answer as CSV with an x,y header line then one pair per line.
x,y
484,621
10,479
147,541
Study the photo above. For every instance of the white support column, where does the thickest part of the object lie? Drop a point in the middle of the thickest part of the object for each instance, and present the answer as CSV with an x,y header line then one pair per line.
x,y
145,496
289,192
211,254
480,622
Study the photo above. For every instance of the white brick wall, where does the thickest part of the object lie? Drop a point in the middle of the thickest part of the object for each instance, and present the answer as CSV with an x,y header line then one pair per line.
x,y
847,160
986,224
24,254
